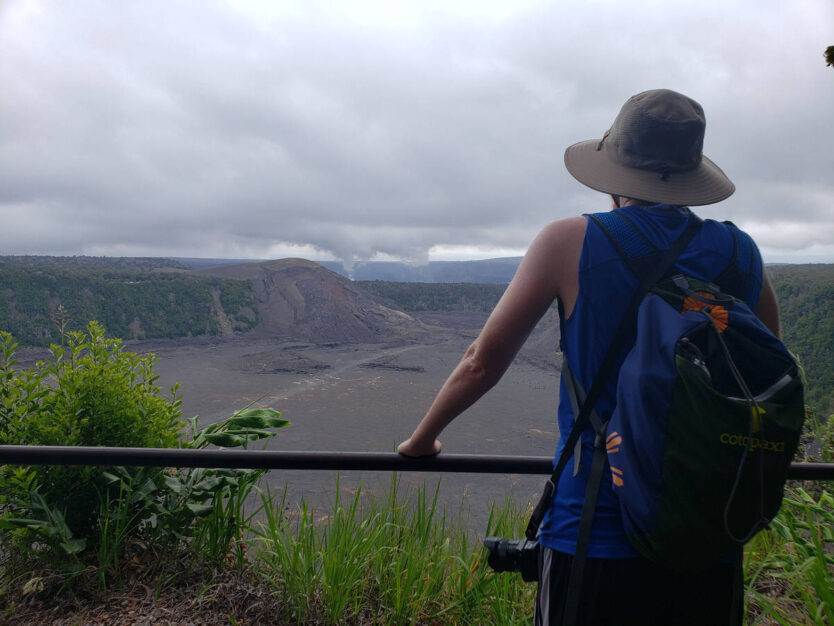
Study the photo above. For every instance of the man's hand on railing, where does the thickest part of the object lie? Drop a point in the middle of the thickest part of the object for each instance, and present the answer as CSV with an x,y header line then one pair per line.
x,y
414,447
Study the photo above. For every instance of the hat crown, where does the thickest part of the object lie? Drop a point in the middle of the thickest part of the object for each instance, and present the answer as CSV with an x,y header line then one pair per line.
x,y
653,152
659,130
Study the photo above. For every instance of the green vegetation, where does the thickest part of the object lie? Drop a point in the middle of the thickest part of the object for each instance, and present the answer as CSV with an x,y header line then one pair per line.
x,y
806,304
436,296
394,560
88,393
790,568
72,519
94,263
40,297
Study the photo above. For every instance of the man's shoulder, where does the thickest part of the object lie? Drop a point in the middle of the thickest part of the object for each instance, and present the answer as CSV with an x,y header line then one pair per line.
x,y
565,229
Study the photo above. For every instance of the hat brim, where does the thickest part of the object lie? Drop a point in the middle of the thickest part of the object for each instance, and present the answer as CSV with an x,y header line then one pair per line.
x,y
706,184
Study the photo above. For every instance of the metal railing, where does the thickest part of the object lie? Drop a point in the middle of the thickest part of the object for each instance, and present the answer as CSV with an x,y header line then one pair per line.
x,y
277,460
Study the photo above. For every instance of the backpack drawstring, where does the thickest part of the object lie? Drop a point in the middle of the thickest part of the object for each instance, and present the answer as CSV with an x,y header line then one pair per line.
x,y
754,427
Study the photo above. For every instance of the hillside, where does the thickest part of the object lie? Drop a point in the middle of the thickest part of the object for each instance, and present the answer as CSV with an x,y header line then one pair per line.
x,y
291,299
806,306
132,298
299,299
485,271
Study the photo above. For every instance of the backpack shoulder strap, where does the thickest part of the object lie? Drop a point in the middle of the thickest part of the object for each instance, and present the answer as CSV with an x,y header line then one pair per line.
x,y
631,244
735,278
640,255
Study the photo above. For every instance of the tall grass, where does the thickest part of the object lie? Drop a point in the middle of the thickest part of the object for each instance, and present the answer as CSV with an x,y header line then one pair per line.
x,y
393,560
790,568
400,560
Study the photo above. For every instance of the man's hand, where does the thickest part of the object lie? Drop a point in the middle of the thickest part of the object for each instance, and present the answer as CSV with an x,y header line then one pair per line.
x,y
414,448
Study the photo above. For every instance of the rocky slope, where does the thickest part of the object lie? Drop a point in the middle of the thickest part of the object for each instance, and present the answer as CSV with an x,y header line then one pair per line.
x,y
302,301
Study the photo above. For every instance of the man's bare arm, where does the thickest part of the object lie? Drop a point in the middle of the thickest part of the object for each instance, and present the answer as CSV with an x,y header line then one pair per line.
x,y
768,308
548,271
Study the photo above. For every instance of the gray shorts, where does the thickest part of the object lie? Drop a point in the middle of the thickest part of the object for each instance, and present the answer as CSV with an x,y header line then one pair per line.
x,y
636,591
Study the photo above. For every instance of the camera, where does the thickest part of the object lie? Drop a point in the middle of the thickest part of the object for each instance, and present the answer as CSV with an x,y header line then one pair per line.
x,y
514,555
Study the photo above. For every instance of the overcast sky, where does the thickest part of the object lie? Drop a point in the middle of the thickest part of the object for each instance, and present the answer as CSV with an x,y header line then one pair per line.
x,y
378,129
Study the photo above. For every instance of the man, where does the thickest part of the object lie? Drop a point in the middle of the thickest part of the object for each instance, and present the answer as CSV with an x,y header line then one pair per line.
x,y
651,164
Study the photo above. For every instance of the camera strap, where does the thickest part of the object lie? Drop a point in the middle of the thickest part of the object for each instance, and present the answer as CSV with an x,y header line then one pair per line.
x,y
649,272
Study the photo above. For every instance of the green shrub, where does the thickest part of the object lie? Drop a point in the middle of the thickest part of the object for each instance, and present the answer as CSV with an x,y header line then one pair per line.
x,y
89,392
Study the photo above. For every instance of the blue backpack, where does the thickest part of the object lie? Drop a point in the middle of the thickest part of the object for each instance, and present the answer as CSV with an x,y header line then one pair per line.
x,y
708,416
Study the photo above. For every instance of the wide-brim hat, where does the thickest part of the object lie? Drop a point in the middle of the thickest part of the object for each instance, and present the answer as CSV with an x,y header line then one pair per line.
x,y
652,152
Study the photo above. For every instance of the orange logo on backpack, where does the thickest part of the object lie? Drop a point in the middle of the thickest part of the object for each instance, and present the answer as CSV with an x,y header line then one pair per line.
x,y
719,314
612,445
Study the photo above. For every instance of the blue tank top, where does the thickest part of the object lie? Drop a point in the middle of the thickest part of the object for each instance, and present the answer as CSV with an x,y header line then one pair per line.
x,y
606,286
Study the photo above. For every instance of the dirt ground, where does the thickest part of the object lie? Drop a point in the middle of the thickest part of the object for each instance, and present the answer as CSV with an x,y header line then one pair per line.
x,y
343,397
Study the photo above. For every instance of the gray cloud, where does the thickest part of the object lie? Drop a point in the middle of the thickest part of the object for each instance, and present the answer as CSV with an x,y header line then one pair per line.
x,y
197,129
